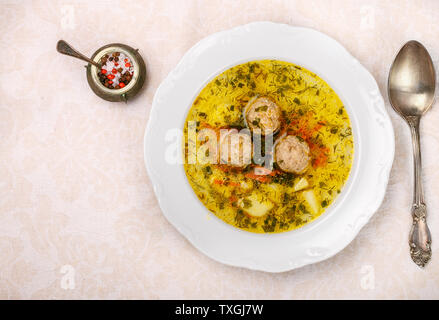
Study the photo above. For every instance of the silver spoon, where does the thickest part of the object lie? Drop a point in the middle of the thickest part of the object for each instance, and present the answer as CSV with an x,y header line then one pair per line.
x,y
411,88
65,48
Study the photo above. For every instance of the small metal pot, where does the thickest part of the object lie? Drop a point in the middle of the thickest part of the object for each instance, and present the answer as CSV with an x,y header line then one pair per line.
x,y
132,88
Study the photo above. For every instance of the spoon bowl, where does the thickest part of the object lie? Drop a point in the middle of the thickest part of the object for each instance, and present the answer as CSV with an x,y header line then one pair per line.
x,y
412,80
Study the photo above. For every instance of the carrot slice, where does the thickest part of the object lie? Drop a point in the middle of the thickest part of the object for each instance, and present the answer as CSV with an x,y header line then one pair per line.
x,y
257,177
227,183
262,171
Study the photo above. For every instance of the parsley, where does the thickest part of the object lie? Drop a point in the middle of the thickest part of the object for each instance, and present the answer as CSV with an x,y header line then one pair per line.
x,y
346,133
208,170
270,224
261,108
303,208
241,219
247,203
284,179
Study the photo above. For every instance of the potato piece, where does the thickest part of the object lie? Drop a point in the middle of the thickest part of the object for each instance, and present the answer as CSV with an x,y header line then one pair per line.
x,y
310,197
301,184
246,186
255,205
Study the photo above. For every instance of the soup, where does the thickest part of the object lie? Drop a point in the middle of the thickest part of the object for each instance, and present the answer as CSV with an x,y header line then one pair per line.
x,y
306,166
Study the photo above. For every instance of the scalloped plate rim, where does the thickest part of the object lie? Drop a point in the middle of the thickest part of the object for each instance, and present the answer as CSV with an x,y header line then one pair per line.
x,y
362,219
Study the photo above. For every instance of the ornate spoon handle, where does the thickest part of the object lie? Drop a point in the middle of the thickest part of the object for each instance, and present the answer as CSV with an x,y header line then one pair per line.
x,y
420,238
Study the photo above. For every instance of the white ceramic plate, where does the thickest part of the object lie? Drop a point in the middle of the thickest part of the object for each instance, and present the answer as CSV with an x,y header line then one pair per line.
x,y
360,197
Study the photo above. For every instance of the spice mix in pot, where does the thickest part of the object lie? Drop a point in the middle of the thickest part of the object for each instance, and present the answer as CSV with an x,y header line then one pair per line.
x,y
116,71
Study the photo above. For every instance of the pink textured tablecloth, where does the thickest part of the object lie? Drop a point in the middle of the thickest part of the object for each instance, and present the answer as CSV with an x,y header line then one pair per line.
x,y
78,217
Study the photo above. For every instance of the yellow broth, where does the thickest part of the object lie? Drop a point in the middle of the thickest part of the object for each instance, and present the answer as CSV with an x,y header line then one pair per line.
x,y
311,110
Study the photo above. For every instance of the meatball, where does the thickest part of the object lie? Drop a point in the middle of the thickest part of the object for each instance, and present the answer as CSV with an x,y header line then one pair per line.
x,y
235,149
263,116
291,154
